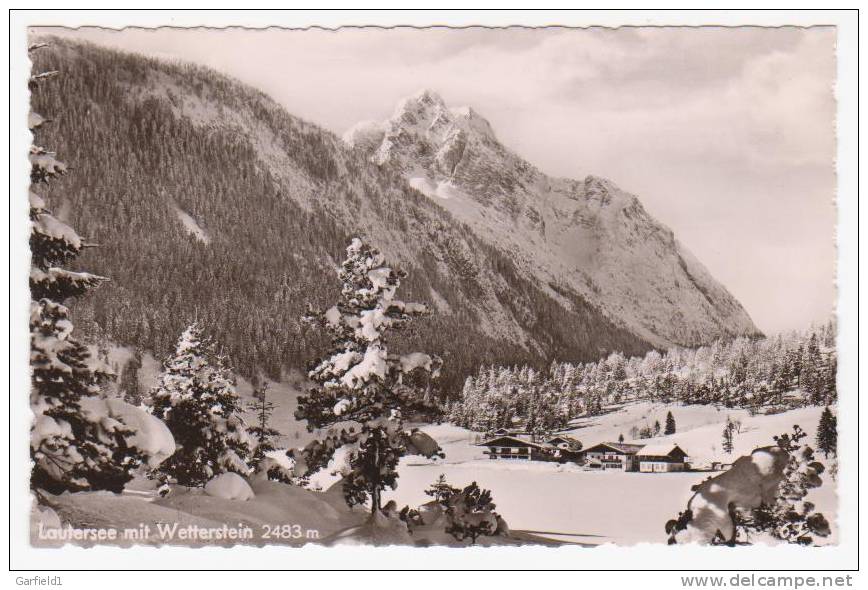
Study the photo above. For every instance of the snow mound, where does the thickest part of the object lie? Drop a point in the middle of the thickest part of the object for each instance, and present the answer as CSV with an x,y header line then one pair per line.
x,y
322,515
379,530
44,516
229,486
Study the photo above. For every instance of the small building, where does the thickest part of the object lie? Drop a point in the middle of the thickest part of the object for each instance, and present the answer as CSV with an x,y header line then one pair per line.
x,y
565,442
661,458
513,447
565,448
609,455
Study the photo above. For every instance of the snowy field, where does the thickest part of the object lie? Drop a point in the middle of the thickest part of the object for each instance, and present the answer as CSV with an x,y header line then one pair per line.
x,y
560,502
567,505
699,428
564,502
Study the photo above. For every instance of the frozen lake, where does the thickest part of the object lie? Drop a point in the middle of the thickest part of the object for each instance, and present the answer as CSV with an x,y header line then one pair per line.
x,y
563,502
583,507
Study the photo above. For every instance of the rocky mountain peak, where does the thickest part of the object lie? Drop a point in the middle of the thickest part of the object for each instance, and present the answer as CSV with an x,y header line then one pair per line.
x,y
425,118
587,234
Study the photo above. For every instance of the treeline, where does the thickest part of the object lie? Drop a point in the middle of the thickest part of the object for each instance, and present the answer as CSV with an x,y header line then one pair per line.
x,y
276,227
769,374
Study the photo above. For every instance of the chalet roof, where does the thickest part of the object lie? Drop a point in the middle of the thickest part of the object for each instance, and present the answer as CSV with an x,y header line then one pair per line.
x,y
623,448
661,449
509,441
507,432
562,437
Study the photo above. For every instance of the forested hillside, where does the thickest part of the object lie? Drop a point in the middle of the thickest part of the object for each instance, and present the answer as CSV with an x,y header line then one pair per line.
x,y
210,202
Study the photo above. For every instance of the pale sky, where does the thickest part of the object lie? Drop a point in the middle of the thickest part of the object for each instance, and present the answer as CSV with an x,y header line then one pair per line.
x,y
725,134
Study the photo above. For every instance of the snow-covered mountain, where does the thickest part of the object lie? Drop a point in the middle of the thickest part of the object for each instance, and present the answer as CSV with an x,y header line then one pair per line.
x,y
587,236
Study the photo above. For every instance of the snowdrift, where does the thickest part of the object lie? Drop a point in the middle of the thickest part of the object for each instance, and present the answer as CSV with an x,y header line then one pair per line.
x,y
229,486
315,517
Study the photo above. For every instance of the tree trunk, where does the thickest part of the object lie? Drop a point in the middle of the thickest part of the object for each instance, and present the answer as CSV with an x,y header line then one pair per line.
x,y
375,483
375,500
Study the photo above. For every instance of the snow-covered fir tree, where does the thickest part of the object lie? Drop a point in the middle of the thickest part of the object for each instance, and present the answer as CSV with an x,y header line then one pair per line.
x,y
441,490
197,400
76,443
360,385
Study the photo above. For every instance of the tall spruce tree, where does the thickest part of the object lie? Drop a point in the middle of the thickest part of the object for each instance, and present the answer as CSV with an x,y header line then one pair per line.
x,y
827,433
813,372
358,382
196,398
670,424
129,381
830,377
728,436
74,445
262,433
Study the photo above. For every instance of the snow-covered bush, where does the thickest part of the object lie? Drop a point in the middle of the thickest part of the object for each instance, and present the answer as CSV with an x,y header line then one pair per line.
x,y
463,513
360,385
278,465
470,514
229,486
761,496
790,517
197,400
146,434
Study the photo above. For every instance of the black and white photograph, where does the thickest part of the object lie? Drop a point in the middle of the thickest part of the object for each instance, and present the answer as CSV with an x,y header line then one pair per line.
x,y
464,287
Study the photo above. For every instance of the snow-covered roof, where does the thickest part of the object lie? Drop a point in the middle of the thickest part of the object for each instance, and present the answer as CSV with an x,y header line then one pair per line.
x,y
660,449
562,437
498,441
624,448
